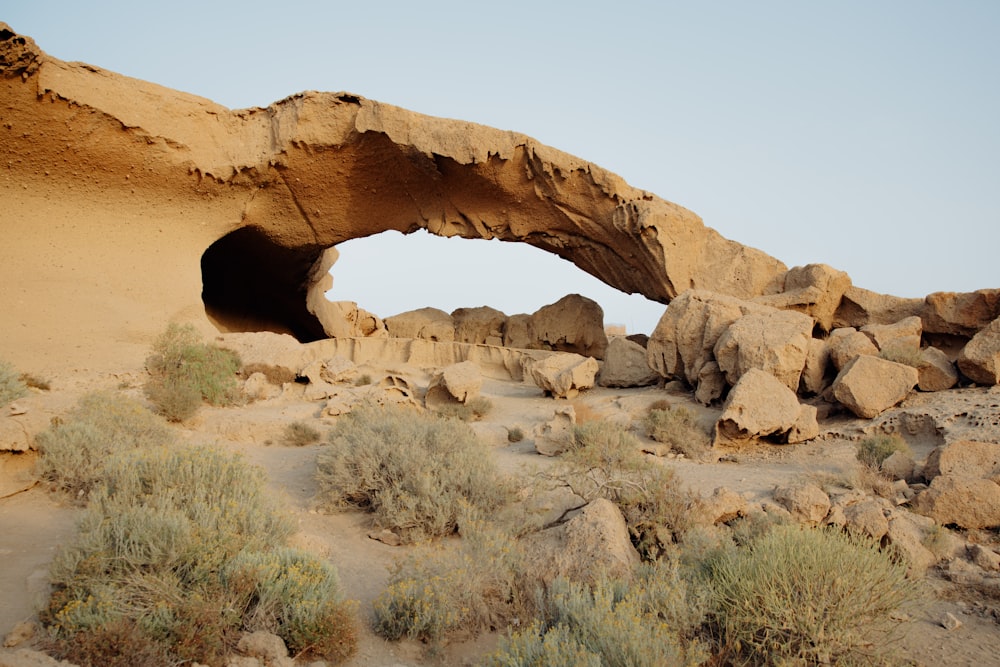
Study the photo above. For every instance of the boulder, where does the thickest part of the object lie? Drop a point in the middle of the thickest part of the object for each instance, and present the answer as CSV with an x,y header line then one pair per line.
x,y
563,375
960,314
458,382
904,334
555,436
344,319
967,502
963,458
814,378
684,339
723,506
867,518
936,371
907,536
760,406
859,307
711,384
806,502
574,324
979,360
479,326
264,645
868,385
898,465
516,332
625,365
592,544
426,323
985,558
774,341
847,344
814,289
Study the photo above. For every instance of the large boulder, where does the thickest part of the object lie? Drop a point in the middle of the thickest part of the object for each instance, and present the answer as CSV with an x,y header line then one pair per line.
x,y
859,307
814,378
459,383
555,436
847,344
516,331
684,339
960,314
814,289
483,325
774,341
964,458
625,365
574,323
806,502
563,375
967,502
868,386
426,323
936,371
760,406
979,360
903,335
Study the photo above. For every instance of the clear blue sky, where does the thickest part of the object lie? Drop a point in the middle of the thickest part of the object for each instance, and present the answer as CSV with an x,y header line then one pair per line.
x,y
861,134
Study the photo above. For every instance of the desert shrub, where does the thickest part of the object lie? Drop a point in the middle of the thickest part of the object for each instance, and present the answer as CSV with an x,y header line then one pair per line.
x,y
877,448
472,410
676,427
296,596
182,366
276,375
76,449
515,434
902,354
807,596
35,382
12,387
300,434
649,623
415,472
363,380
606,463
479,585
178,550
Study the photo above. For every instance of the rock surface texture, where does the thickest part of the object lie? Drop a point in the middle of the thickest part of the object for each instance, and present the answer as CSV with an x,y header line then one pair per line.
x,y
198,209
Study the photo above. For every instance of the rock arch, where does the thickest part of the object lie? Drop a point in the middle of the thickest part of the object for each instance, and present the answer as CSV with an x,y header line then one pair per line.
x,y
169,181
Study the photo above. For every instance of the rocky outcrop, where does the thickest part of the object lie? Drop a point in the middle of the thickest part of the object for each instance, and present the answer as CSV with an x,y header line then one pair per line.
x,y
425,323
574,324
480,326
251,200
868,386
625,365
774,341
459,382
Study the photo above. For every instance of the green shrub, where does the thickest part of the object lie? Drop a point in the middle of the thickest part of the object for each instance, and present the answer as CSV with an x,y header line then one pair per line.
x,y
300,434
676,427
179,550
650,623
480,585
413,471
182,367
12,387
877,448
76,449
804,596
606,463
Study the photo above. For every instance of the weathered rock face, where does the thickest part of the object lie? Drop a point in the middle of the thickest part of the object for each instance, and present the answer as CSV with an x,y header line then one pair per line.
x,y
195,209
483,325
426,323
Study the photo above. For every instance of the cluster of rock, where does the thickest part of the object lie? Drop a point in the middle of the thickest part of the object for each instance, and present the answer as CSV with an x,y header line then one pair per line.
x,y
824,341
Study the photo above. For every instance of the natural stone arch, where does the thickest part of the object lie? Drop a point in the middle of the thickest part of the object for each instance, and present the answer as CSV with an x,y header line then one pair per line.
x,y
166,177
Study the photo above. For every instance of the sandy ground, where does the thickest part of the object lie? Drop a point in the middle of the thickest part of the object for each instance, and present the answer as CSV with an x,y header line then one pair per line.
x,y
33,524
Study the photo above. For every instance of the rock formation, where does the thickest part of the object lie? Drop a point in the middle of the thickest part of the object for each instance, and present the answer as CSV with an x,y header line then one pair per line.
x,y
193,209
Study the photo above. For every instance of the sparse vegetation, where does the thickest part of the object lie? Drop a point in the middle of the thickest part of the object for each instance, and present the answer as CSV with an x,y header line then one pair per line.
x,y
515,434
651,622
363,380
413,471
185,371
807,596
177,554
874,449
472,410
676,427
478,585
76,450
276,375
299,434
607,463
35,382
12,387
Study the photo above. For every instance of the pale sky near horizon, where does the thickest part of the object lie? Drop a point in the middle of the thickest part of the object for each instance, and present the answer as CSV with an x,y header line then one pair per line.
x,y
860,134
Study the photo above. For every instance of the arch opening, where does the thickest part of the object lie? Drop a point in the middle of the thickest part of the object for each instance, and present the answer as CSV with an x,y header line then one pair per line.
x,y
251,283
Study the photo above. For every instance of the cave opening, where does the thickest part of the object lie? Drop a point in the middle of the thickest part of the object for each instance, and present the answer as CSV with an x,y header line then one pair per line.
x,y
251,283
